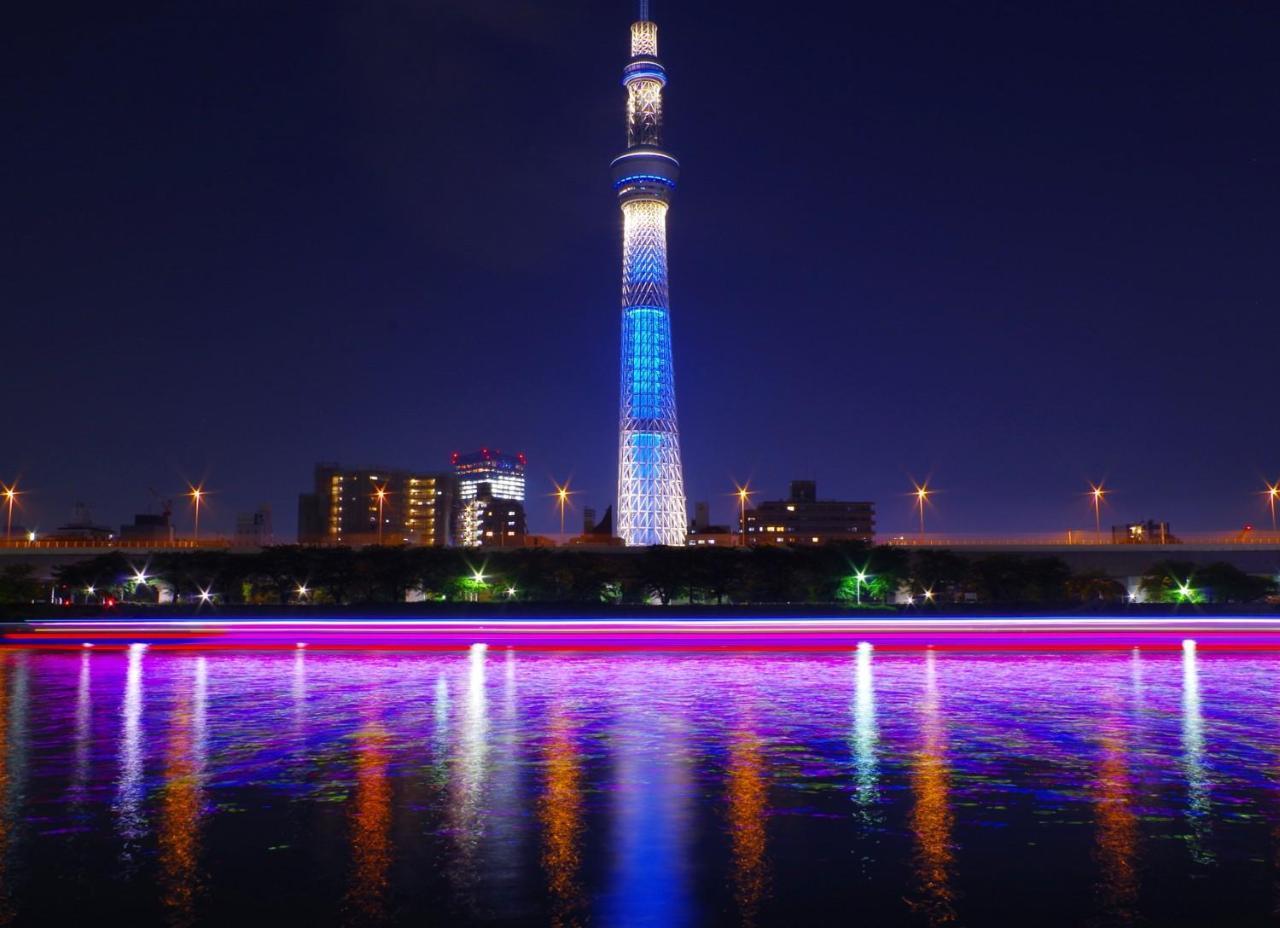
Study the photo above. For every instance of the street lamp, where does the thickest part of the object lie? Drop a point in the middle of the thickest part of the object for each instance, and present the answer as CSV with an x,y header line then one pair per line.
x,y
743,493
477,582
197,496
922,494
10,496
1273,493
380,494
1097,493
859,577
562,495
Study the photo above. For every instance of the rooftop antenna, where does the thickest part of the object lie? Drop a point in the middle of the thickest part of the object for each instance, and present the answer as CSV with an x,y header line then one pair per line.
x,y
644,11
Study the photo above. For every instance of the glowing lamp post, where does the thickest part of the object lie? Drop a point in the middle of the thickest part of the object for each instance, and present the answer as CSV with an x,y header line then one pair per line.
x,y
859,578
922,494
197,497
478,583
10,496
562,495
1097,494
743,493
381,496
1273,493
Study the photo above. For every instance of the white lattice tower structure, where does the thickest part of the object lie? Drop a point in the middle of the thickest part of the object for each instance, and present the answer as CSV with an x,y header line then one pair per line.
x,y
651,501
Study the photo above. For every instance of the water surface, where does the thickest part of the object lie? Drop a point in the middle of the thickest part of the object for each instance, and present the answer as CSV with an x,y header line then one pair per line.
x,y
639,789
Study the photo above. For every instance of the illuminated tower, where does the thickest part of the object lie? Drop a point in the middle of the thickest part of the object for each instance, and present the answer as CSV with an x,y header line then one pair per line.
x,y
651,504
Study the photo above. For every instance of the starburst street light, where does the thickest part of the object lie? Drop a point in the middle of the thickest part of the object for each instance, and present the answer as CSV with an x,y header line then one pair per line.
x,y
922,494
744,493
380,494
11,495
1098,493
859,578
561,496
1273,495
197,494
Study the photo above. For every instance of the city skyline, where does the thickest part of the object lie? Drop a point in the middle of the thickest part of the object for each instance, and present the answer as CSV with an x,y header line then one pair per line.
x,y
1001,284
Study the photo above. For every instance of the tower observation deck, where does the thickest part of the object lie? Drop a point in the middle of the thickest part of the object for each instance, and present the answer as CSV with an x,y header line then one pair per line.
x,y
651,500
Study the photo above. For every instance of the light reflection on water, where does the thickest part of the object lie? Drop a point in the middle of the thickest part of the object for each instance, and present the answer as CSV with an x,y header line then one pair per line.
x,y
640,789
931,816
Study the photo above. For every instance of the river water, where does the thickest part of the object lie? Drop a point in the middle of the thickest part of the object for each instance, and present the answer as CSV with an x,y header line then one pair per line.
x,y
514,787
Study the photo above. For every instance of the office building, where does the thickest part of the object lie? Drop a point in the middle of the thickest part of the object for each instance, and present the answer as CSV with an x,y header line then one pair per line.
x,y
503,472
487,521
804,519
367,506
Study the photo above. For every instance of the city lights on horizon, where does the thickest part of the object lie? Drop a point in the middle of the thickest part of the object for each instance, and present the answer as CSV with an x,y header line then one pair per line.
x,y
922,496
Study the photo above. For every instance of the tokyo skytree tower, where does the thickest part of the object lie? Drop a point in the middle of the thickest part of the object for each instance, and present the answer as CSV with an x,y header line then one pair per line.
x,y
651,502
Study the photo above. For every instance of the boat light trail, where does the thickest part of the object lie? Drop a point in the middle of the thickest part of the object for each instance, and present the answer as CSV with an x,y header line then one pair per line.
x,y
831,634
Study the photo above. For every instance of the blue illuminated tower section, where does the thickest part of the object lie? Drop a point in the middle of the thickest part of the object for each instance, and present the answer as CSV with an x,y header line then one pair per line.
x,y
651,503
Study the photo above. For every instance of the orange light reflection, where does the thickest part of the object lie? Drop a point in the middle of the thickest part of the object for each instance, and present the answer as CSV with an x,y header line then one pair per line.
x,y
748,802
560,812
931,818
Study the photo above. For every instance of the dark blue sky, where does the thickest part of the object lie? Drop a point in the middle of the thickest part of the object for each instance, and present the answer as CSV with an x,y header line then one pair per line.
x,y
1015,246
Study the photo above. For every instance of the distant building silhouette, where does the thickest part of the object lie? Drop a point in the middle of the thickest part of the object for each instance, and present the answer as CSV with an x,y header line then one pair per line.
x,y
703,534
253,529
803,519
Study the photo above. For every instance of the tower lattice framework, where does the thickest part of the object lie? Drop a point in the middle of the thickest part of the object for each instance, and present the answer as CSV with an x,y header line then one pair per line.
x,y
651,500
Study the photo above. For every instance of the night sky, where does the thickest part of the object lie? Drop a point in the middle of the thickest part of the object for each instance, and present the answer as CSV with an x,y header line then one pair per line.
x,y
1011,246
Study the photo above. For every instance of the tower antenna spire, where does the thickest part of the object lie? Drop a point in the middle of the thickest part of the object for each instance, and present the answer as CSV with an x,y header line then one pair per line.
x,y
644,11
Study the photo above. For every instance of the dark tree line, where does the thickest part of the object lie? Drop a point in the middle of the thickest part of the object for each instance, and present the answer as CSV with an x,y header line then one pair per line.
x,y
766,575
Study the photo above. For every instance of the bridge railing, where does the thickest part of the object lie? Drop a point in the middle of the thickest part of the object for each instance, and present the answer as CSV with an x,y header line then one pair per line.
x,y
114,544
1074,538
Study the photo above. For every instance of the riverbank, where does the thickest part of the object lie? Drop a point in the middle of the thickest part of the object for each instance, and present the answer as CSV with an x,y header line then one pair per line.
x,y
509,610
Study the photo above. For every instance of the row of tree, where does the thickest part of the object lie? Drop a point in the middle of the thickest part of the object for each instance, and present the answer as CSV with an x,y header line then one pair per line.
x,y
831,574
